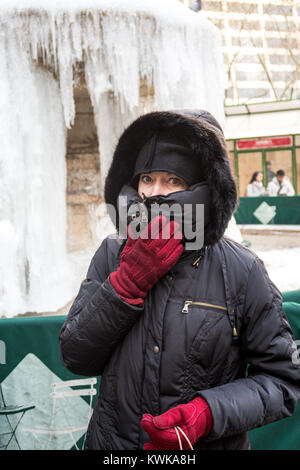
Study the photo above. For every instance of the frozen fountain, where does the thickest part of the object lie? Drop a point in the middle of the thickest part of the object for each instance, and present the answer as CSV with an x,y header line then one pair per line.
x,y
121,44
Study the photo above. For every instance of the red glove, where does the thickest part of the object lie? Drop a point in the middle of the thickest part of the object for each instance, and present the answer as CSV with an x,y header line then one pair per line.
x,y
145,260
194,418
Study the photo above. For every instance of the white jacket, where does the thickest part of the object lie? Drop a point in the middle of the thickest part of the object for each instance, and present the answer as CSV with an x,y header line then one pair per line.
x,y
256,189
285,189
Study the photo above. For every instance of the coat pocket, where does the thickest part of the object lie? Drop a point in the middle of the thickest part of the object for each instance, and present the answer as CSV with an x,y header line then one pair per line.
x,y
191,303
211,337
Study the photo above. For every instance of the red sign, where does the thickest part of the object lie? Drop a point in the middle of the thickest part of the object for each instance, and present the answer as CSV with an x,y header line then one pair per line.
x,y
264,143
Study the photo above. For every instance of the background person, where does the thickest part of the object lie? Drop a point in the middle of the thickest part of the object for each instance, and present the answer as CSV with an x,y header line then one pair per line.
x,y
172,331
280,185
270,172
256,187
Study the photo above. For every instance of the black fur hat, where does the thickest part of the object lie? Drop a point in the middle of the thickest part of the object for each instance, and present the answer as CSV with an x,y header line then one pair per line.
x,y
198,130
162,153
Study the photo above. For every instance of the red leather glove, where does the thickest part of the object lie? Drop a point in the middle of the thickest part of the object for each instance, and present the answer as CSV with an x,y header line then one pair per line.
x,y
145,260
194,418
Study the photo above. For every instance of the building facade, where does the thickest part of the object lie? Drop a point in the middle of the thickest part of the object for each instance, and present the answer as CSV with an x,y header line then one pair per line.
x,y
261,52
260,46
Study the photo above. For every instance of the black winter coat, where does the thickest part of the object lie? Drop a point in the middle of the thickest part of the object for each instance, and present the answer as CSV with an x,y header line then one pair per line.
x,y
213,326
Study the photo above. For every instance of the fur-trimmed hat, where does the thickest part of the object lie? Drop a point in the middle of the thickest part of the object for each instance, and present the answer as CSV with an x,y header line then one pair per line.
x,y
202,134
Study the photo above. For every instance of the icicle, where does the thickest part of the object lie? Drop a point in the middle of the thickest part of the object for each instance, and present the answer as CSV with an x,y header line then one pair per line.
x,y
120,42
65,32
34,269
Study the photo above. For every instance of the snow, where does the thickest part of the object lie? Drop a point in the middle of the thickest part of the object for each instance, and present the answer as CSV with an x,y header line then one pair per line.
x,y
280,263
170,9
173,49
282,267
233,231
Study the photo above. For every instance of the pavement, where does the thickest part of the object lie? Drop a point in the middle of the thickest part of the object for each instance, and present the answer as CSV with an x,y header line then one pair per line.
x,y
279,248
266,238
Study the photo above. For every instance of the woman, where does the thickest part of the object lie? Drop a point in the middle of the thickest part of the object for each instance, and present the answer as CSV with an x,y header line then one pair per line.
x,y
186,340
256,187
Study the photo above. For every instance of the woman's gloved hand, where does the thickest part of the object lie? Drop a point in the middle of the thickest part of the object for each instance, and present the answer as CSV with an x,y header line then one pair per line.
x,y
194,418
146,259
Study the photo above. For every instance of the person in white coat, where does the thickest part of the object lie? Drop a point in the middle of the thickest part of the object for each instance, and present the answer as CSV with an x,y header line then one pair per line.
x,y
280,185
256,187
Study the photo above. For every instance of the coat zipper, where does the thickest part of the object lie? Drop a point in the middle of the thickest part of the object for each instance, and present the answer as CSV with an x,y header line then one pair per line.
x,y
187,303
143,209
143,212
197,261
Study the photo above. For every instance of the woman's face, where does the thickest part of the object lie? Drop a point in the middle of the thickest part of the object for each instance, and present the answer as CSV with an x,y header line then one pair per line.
x,y
259,177
160,182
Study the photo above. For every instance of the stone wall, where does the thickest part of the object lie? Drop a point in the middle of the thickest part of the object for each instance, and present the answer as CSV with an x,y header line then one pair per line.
x,y
83,172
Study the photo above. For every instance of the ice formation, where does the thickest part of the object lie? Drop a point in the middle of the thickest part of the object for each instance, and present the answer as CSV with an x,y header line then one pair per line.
x,y
120,42
168,45
33,257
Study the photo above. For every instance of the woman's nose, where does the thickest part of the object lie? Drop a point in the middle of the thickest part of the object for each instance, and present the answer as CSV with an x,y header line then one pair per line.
x,y
158,188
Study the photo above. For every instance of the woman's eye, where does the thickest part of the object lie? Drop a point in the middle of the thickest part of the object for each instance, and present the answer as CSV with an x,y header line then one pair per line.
x,y
175,181
146,179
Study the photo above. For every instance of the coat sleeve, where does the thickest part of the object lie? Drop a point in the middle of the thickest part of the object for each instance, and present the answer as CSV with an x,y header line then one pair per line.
x,y
287,189
272,387
97,321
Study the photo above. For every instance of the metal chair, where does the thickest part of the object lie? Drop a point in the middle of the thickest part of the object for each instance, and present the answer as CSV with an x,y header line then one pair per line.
x,y
87,389
9,410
